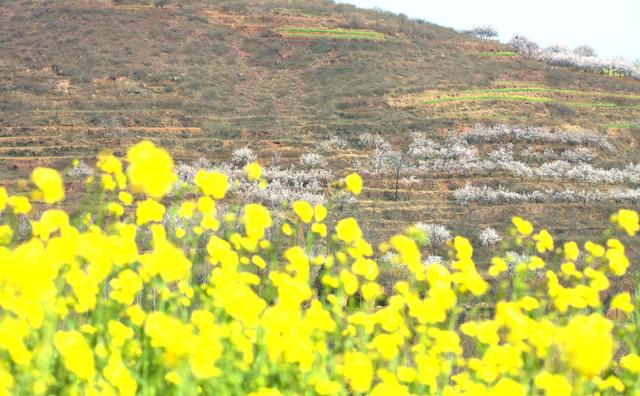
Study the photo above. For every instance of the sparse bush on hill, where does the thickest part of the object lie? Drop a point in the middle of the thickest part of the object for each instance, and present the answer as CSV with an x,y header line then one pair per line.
x,y
242,156
111,129
80,170
332,144
489,237
312,160
208,293
370,141
437,234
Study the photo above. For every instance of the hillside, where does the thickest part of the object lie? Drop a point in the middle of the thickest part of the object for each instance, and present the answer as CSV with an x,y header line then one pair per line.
x,y
205,78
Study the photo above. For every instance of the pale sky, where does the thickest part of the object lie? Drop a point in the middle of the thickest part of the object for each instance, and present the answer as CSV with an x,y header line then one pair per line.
x,y
612,28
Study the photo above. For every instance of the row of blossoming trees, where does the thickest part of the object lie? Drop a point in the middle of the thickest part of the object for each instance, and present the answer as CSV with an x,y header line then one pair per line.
x,y
159,286
581,58
507,153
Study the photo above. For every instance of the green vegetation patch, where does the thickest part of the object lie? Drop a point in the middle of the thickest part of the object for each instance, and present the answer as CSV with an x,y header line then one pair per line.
x,y
517,98
505,54
534,95
331,33
489,97
553,90
622,126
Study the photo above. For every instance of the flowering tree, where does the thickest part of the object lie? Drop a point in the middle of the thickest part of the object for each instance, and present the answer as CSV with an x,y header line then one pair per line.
x,y
394,163
489,237
242,156
580,58
523,45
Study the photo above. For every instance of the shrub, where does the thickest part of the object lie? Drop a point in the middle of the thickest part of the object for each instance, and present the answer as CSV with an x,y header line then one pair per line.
x,y
335,143
80,170
312,160
370,140
242,156
489,237
437,235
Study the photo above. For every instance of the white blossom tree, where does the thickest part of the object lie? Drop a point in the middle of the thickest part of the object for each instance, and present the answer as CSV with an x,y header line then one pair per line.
x,y
395,163
523,45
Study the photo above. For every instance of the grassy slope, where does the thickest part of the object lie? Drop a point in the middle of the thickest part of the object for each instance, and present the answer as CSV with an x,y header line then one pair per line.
x,y
203,78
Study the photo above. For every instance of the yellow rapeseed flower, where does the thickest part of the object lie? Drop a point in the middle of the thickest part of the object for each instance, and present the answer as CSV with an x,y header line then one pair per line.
x,y
320,213
353,183
125,197
571,251
108,163
76,354
320,229
253,171
20,204
304,210
173,377
631,362
186,209
622,301
612,382
326,387
507,386
50,184
349,281
3,199
149,210
587,344
256,220
136,315
371,290
214,184
115,208
286,229
627,220
347,230
6,234
522,226
497,267
150,169
553,384
544,241
357,370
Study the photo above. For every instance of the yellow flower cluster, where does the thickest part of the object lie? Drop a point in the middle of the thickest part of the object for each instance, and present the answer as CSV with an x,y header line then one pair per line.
x,y
168,296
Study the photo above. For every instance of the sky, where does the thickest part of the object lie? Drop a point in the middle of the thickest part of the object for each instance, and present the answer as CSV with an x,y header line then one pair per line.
x,y
612,28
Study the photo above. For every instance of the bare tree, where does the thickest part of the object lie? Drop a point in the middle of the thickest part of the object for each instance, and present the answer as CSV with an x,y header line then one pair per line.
x,y
485,32
584,50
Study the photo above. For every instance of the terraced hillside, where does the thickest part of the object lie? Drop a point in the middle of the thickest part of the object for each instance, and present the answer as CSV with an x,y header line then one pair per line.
x,y
282,77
